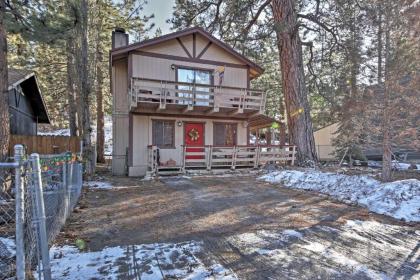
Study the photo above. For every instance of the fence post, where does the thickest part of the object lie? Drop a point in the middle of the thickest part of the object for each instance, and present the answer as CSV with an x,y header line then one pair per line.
x,y
66,189
20,213
40,212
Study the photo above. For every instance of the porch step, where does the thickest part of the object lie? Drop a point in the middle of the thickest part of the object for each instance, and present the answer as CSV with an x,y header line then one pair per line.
x,y
169,171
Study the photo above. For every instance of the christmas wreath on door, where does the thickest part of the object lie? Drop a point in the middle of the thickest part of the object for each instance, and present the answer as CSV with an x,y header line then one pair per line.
x,y
193,134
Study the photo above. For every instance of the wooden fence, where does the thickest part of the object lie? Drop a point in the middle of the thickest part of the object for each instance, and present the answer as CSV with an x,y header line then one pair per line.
x,y
45,144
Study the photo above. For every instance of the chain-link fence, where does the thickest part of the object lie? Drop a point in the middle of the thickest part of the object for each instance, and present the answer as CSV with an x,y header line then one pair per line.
x,y
7,223
62,185
37,195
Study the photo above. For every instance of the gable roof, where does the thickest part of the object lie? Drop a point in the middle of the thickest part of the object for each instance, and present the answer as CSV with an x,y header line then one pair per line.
x,y
185,32
16,76
29,84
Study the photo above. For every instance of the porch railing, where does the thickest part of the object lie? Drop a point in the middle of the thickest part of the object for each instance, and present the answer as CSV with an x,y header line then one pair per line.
x,y
211,157
164,92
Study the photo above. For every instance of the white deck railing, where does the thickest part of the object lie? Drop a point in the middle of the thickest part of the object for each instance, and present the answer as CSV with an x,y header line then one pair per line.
x,y
211,157
168,92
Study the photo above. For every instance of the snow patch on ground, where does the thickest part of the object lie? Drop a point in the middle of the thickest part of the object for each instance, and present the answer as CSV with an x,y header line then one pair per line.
x,y
404,166
57,132
98,185
260,241
7,244
341,260
294,233
396,165
147,261
356,250
3,201
399,199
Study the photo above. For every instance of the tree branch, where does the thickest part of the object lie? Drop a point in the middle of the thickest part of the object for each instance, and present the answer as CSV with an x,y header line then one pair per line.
x,y
256,16
324,26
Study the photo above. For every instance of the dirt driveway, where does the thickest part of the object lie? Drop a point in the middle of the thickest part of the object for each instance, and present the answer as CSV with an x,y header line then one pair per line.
x,y
257,230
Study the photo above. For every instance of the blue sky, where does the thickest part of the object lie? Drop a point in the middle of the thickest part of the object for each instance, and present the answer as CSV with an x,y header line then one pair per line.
x,y
162,9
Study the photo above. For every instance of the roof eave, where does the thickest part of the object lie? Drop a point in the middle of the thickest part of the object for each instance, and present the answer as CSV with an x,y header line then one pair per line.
x,y
43,102
15,84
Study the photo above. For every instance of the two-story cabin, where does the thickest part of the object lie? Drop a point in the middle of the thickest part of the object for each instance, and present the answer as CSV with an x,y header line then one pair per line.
x,y
180,101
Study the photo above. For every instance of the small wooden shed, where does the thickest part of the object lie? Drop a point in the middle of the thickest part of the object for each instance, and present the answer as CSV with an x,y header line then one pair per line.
x,y
27,108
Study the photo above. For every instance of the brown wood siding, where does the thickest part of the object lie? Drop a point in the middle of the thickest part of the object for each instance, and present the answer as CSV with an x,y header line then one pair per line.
x,y
160,69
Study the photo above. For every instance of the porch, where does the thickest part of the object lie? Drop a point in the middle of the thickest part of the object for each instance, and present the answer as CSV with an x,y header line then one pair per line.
x,y
213,157
151,95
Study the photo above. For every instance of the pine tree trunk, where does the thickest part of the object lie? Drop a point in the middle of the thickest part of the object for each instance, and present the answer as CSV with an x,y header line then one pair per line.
x,y
85,90
78,100
386,125
100,135
379,38
71,92
4,97
387,154
350,109
282,129
386,144
293,80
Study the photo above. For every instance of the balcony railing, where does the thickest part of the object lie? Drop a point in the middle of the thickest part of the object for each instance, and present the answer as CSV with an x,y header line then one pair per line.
x,y
213,157
191,95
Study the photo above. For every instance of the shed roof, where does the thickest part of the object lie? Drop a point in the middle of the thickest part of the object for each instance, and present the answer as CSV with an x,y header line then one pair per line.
x,y
16,76
184,32
261,121
29,84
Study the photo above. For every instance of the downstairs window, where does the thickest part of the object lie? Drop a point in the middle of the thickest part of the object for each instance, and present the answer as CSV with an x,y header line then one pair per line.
x,y
163,135
224,134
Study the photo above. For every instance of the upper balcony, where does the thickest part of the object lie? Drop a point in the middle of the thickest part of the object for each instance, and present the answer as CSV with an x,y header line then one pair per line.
x,y
150,95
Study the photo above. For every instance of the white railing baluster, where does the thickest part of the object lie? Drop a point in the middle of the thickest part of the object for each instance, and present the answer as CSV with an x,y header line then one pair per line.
x,y
191,94
210,157
184,151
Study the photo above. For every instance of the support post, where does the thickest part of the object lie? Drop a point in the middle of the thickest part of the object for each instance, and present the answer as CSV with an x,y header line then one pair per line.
x,y
256,156
81,149
40,212
233,158
20,213
258,153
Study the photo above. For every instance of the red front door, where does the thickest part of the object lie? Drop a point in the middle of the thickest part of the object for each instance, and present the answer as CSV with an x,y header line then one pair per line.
x,y
194,137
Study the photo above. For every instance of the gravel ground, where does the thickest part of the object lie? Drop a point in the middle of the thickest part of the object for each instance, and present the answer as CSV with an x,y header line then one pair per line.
x,y
255,229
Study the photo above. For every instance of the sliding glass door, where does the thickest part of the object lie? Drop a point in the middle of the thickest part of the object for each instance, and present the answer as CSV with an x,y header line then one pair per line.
x,y
195,77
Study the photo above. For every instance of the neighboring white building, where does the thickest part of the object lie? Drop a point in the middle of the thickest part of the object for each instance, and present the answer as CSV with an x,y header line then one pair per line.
x,y
324,141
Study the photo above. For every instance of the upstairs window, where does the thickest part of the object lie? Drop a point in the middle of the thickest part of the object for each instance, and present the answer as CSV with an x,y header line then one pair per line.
x,y
163,134
224,134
